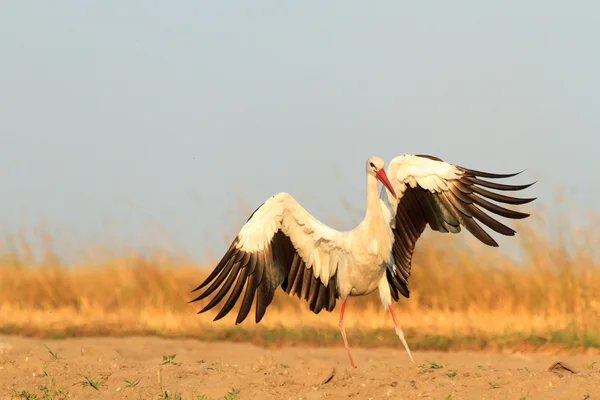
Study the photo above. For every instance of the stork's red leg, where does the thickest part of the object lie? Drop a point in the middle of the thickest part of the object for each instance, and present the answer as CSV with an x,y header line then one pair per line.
x,y
344,332
399,332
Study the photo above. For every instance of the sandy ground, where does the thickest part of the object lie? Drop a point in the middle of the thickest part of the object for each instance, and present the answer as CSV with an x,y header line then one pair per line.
x,y
211,370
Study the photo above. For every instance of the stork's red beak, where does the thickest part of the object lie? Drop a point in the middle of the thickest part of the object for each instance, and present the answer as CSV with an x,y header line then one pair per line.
x,y
381,175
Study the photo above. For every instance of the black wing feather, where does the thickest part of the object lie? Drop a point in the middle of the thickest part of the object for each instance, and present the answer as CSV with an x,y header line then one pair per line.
x,y
261,273
447,212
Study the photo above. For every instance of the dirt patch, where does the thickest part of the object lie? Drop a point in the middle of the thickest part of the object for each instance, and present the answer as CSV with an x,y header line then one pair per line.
x,y
142,367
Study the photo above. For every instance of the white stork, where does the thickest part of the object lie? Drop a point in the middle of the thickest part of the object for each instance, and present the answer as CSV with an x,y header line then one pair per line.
x,y
281,244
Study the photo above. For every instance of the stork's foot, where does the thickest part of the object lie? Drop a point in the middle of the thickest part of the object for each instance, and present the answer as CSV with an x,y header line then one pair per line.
x,y
343,330
401,336
400,333
349,354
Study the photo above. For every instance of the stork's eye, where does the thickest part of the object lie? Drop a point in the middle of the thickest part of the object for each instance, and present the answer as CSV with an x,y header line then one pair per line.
x,y
372,165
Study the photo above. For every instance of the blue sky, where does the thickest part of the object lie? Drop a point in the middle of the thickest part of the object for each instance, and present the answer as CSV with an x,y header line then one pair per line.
x,y
127,122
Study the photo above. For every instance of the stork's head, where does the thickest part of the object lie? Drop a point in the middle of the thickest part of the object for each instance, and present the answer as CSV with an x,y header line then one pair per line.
x,y
376,167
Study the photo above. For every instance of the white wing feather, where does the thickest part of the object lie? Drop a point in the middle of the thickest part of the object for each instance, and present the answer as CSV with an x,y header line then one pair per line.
x,y
415,171
320,247
427,173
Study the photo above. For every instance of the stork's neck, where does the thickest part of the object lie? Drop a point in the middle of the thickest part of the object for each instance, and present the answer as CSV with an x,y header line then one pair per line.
x,y
374,213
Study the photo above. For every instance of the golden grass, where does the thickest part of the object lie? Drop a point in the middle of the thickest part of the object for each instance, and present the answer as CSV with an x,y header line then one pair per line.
x,y
463,295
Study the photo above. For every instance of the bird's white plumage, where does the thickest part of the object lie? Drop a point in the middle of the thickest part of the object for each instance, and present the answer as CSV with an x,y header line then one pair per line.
x,y
411,170
322,248
427,173
358,256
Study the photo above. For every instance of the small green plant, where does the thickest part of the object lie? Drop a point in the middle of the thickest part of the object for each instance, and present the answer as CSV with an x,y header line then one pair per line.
x,y
449,397
451,374
586,396
169,359
591,366
23,394
167,395
132,384
285,365
434,365
52,353
232,394
89,382
45,370
46,393
494,385
50,392
216,366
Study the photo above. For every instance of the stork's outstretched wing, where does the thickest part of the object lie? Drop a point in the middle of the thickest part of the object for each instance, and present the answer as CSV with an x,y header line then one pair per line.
x,y
280,244
445,196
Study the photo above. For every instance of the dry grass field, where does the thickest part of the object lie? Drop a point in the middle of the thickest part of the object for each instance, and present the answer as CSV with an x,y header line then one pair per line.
x,y
464,295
